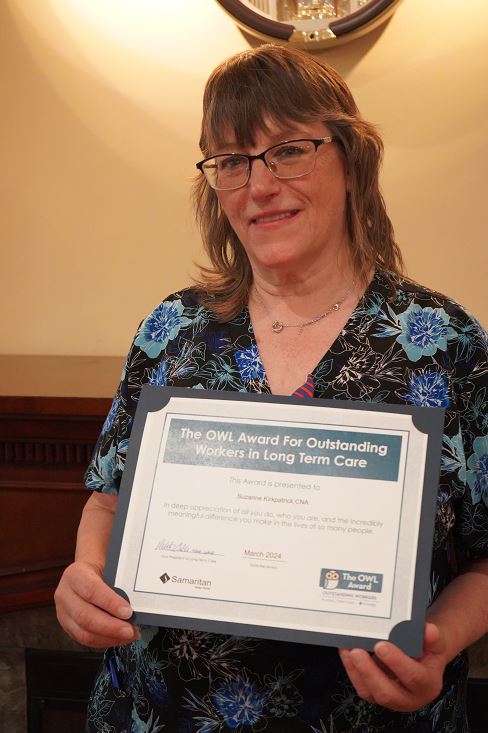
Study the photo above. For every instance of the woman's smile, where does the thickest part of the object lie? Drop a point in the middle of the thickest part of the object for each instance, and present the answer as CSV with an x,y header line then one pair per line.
x,y
274,217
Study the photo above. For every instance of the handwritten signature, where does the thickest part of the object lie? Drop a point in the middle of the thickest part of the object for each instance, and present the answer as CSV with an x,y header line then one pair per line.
x,y
175,546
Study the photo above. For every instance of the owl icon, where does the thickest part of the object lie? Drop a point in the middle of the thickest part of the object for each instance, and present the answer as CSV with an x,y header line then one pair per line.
x,y
331,579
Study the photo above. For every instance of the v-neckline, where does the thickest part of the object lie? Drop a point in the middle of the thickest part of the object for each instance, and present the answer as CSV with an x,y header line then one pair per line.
x,y
375,281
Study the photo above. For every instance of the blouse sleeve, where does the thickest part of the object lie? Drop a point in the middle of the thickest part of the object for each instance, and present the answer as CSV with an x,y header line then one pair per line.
x,y
147,363
472,388
105,469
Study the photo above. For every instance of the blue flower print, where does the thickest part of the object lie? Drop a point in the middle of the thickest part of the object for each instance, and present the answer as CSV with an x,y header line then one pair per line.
x,y
468,336
102,474
159,375
161,326
249,364
105,471
402,297
109,420
452,458
155,683
477,473
140,726
239,703
424,330
220,374
428,388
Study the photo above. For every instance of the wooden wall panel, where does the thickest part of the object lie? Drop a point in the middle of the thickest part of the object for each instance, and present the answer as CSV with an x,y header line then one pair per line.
x,y
45,445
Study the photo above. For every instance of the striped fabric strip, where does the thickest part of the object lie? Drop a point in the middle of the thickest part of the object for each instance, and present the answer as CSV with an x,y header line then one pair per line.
x,y
306,390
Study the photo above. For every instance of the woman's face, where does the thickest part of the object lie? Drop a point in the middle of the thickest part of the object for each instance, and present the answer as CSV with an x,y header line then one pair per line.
x,y
296,224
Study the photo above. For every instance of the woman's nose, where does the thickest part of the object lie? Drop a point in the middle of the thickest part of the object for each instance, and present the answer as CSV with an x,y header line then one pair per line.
x,y
261,179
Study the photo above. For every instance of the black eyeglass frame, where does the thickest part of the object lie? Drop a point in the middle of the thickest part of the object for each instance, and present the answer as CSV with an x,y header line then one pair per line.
x,y
262,156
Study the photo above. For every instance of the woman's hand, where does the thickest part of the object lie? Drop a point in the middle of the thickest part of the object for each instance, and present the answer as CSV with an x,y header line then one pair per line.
x,y
394,680
90,611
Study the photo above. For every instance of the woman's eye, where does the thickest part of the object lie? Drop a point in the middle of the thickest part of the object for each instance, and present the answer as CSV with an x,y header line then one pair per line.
x,y
290,151
231,163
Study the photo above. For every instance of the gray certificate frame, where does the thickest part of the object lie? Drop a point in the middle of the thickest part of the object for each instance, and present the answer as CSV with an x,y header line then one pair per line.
x,y
408,634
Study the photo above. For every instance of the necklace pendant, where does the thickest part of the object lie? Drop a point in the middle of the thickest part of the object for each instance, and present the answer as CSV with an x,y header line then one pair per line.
x,y
277,327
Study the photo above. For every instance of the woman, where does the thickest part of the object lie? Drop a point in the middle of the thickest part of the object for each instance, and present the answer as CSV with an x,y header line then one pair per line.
x,y
303,295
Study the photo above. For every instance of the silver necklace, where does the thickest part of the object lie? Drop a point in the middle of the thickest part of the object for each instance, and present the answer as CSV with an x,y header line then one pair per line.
x,y
278,326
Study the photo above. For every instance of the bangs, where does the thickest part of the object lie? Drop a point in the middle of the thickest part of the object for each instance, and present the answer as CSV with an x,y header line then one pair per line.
x,y
244,95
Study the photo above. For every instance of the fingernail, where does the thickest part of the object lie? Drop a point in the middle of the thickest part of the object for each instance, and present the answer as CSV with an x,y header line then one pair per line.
x,y
124,612
355,655
381,650
127,633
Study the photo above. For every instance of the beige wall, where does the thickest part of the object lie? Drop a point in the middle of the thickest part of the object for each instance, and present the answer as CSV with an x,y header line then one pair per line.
x,y
98,138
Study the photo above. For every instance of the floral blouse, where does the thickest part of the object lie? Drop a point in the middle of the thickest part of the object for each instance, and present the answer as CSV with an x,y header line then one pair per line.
x,y
403,344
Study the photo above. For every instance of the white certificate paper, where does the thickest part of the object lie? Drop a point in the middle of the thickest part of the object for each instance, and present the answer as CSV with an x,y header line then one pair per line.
x,y
302,520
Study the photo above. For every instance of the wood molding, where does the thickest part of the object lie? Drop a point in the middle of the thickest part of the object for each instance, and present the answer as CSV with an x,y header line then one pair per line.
x,y
45,452
45,446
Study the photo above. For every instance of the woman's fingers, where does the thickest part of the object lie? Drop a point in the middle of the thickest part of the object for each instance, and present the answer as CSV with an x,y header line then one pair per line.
x,y
384,686
87,583
373,683
354,675
91,612
418,677
95,628
394,680
434,643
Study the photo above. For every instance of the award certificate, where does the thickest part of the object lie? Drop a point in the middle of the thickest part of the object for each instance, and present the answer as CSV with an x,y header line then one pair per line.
x,y
283,518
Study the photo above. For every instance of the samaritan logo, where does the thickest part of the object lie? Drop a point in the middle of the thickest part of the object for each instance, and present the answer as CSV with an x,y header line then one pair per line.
x,y
362,580
197,582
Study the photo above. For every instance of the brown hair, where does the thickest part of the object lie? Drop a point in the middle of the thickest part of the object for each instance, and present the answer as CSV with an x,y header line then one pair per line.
x,y
278,83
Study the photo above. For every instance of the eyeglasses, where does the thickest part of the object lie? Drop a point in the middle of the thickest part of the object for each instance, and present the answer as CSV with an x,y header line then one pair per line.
x,y
289,159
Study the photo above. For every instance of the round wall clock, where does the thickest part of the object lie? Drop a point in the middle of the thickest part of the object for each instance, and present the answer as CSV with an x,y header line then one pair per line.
x,y
309,24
